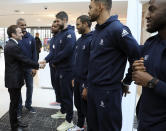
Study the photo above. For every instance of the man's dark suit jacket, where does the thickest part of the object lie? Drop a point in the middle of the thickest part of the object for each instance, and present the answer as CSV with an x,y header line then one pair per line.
x,y
15,61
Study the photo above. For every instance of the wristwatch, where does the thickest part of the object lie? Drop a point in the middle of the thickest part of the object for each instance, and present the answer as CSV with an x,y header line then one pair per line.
x,y
152,83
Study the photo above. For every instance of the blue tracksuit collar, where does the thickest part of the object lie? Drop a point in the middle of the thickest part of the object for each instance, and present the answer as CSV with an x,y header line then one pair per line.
x,y
158,38
69,27
27,35
110,20
163,41
88,34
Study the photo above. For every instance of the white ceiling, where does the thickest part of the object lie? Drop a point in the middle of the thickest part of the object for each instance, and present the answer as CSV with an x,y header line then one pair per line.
x,y
36,15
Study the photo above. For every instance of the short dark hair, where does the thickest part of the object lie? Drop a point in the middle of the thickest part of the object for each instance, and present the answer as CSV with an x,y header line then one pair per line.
x,y
18,20
62,15
107,3
12,29
85,19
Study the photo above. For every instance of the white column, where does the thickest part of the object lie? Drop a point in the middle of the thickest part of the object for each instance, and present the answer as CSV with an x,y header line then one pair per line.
x,y
134,18
44,74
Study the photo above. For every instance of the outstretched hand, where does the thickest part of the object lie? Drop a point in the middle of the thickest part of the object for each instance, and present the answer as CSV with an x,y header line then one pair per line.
x,y
42,64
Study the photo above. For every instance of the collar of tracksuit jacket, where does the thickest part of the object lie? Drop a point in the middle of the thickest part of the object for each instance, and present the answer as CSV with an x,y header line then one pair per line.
x,y
110,20
87,35
27,34
69,27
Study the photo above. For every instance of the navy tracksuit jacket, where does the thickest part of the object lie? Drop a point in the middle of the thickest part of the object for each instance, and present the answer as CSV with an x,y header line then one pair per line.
x,y
50,56
112,44
151,108
80,71
64,45
81,57
28,46
49,59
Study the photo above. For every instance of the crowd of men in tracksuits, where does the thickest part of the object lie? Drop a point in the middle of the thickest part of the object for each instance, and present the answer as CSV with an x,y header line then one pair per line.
x,y
90,65
93,67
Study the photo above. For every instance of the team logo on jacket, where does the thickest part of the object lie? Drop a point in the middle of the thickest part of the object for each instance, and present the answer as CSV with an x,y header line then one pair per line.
x,y
30,42
60,41
146,57
83,86
53,46
102,104
83,47
69,36
124,32
60,76
101,42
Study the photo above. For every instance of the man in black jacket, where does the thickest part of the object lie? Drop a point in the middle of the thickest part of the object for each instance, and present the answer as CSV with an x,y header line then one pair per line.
x,y
38,45
14,80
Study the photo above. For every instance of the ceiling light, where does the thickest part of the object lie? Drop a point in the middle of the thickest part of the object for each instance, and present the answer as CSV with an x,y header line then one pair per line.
x,y
17,11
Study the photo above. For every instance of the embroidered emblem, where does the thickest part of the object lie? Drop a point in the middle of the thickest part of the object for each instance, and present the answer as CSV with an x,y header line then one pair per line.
x,y
83,47
69,36
102,104
124,33
101,42
146,57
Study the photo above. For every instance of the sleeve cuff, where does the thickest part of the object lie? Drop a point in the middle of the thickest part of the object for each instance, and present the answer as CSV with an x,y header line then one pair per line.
x,y
160,88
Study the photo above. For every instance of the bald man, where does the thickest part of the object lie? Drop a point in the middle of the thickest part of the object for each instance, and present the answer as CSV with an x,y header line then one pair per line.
x,y
150,71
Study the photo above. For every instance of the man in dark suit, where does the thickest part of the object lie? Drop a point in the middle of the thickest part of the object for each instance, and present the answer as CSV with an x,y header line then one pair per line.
x,y
14,80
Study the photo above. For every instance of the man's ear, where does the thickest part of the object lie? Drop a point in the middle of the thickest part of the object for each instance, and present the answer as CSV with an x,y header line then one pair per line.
x,y
101,6
85,24
14,35
65,20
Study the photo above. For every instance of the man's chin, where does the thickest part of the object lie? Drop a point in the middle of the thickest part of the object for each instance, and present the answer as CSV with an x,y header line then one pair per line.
x,y
151,30
92,19
23,31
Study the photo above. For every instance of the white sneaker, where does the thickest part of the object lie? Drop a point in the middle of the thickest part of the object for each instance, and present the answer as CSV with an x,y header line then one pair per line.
x,y
58,115
76,128
64,126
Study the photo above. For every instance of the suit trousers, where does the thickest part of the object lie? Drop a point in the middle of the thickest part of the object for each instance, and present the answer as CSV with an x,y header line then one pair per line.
x,y
15,94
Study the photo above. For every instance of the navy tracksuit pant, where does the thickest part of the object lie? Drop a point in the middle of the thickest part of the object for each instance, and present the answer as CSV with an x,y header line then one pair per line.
x,y
104,109
64,82
53,82
80,103
156,127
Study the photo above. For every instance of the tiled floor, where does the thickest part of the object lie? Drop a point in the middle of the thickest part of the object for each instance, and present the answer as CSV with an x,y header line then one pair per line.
x,y
42,97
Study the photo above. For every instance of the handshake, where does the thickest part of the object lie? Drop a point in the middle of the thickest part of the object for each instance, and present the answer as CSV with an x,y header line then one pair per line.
x,y
42,64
